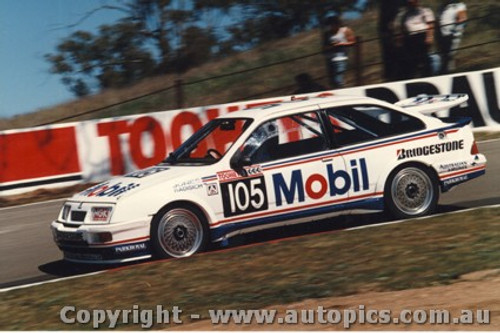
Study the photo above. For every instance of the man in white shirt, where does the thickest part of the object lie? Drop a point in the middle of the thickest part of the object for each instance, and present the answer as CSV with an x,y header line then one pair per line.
x,y
336,41
452,17
417,28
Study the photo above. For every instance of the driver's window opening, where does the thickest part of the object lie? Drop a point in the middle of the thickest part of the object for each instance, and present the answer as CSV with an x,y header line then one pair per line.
x,y
285,137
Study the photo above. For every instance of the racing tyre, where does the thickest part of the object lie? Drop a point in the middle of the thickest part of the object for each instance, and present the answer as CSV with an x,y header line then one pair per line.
x,y
411,191
178,232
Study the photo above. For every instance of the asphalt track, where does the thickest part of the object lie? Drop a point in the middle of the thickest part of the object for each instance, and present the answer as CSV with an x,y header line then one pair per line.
x,y
28,254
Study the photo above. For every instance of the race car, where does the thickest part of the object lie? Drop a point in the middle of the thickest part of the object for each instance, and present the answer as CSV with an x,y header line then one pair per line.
x,y
277,164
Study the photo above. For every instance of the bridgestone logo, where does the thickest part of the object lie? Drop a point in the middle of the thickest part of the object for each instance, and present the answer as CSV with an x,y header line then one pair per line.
x,y
431,150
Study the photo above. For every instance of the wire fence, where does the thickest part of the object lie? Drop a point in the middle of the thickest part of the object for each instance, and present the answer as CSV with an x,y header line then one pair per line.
x,y
175,96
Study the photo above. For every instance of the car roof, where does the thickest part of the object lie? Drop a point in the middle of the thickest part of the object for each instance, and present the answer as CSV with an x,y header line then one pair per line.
x,y
282,108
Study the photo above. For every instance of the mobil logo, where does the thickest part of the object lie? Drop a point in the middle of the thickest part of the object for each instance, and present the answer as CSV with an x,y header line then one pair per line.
x,y
317,185
107,190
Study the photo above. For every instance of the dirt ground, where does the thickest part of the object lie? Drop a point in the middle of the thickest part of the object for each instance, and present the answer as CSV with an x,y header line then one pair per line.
x,y
479,290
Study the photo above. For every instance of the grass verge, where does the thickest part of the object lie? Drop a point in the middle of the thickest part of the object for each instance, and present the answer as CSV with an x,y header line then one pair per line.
x,y
415,254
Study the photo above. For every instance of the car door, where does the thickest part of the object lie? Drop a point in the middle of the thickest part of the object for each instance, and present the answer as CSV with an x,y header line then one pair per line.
x,y
291,174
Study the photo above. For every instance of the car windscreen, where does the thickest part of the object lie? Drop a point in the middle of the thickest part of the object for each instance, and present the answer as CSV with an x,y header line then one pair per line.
x,y
210,143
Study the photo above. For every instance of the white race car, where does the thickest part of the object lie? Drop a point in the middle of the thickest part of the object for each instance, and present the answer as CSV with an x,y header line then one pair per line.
x,y
293,162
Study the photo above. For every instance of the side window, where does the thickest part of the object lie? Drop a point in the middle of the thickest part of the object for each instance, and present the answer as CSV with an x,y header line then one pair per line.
x,y
285,137
358,123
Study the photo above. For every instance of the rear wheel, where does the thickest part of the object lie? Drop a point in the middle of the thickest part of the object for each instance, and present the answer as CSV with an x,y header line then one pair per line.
x,y
411,191
179,232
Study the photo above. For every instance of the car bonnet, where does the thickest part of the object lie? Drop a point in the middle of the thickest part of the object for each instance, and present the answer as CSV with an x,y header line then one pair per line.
x,y
114,189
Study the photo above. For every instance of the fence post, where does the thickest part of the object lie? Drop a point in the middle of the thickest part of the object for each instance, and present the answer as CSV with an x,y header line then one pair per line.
x,y
179,94
358,60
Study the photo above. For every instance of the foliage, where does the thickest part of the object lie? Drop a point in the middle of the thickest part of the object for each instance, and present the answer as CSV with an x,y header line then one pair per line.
x,y
172,36
269,20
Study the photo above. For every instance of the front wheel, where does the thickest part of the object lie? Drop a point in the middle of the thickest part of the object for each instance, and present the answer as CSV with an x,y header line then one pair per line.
x,y
411,192
178,232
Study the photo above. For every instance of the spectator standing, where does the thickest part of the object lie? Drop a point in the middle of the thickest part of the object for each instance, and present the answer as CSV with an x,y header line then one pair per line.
x,y
452,17
417,29
336,40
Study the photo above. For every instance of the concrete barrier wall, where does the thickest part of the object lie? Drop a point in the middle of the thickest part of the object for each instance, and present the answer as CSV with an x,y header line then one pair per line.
x,y
94,150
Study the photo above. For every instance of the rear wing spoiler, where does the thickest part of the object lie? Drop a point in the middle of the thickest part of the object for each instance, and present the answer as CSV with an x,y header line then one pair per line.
x,y
429,104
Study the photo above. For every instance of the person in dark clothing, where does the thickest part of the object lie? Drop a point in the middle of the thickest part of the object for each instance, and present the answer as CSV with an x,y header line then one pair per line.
x,y
417,28
391,52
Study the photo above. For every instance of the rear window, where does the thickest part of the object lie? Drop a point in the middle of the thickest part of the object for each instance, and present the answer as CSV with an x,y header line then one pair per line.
x,y
358,123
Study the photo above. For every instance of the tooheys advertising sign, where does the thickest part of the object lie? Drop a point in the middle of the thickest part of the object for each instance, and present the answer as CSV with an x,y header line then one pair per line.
x,y
95,150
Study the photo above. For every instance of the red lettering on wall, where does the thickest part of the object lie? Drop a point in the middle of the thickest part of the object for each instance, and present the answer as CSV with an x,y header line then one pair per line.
x,y
233,108
182,119
147,125
212,113
113,130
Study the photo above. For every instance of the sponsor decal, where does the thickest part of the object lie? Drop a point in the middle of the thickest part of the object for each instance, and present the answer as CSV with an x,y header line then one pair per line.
x,y
106,190
100,213
430,149
89,190
456,166
188,185
244,196
253,170
317,186
230,175
227,175
456,180
130,248
146,172
212,189
420,100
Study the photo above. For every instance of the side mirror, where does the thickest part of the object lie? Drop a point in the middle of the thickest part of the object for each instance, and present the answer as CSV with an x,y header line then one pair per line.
x,y
228,126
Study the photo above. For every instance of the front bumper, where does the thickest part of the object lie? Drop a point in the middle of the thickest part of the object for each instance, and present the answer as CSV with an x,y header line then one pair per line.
x,y
106,243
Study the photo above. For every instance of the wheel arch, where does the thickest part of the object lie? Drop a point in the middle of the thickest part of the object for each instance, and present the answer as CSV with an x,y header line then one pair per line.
x,y
184,202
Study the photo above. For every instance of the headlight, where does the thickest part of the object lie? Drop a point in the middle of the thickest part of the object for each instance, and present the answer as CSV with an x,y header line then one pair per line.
x,y
65,212
100,214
